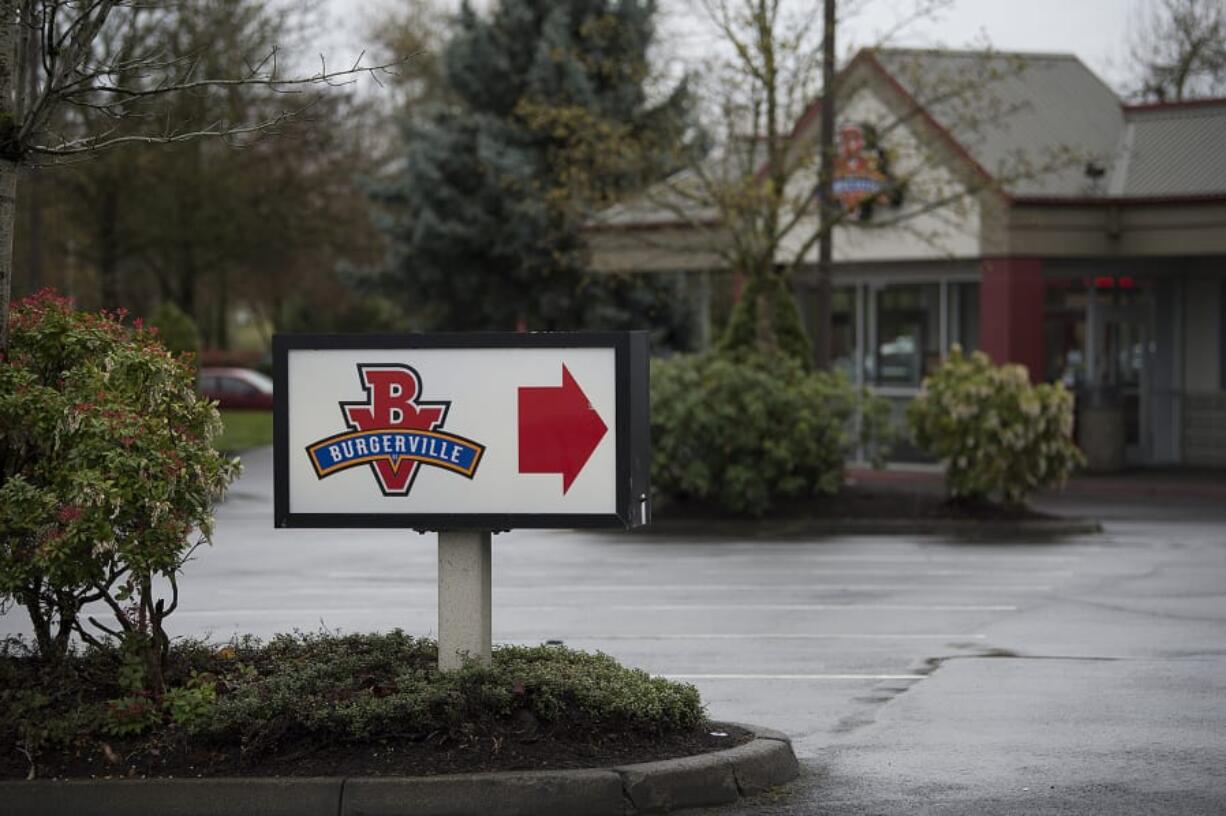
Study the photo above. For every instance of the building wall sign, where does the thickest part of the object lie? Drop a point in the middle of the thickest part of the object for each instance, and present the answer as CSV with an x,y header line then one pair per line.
x,y
454,432
862,177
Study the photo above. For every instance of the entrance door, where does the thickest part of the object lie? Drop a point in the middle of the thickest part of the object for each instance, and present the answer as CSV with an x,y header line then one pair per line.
x,y
1121,357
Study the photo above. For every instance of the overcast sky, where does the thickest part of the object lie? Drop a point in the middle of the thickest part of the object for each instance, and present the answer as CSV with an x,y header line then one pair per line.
x,y
1095,30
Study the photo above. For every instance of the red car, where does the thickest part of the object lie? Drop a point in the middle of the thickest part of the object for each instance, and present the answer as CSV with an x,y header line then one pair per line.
x,y
237,388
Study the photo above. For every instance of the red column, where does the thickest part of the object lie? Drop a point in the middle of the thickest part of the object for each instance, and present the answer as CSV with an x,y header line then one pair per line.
x,y
1011,312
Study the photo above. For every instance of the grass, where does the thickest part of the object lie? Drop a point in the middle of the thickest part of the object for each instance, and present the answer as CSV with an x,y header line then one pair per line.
x,y
245,429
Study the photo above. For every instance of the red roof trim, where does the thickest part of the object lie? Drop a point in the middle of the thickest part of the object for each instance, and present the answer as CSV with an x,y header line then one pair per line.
x,y
931,120
867,55
814,111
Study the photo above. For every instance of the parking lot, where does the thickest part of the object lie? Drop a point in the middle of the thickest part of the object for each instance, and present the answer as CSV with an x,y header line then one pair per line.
x,y
1033,676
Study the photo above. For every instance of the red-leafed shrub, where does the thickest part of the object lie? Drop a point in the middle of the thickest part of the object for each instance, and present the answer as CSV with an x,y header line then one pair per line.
x,y
108,474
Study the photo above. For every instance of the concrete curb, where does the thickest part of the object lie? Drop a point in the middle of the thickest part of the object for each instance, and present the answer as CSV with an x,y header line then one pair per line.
x,y
651,787
801,527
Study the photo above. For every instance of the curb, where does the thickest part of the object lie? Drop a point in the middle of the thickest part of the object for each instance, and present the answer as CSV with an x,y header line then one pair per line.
x,y
796,528
651,787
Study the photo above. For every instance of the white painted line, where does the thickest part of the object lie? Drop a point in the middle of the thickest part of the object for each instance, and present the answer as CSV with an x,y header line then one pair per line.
x,y
331,589
310,614
877,572
773,636
777,607
315,611
792,676
931,559
912,556
776,587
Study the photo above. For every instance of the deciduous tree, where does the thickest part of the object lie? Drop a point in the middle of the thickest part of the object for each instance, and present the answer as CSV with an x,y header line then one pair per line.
x,y
1179,50
64,96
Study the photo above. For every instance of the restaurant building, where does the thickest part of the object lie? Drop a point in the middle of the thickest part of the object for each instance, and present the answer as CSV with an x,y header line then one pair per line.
x,y
1042,220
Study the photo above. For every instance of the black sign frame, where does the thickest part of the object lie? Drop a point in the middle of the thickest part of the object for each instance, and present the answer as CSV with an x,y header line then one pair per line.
x,y
633,429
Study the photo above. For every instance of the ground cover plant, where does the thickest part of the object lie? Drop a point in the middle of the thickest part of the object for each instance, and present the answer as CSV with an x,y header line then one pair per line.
x,y
750,431
999,436
324,703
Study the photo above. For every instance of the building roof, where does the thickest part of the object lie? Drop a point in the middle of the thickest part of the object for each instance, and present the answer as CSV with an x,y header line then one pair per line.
x,y
1176,149
1014,113
1005,112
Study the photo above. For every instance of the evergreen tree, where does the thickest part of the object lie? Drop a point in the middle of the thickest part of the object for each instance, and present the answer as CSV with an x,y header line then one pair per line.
x,y
551,117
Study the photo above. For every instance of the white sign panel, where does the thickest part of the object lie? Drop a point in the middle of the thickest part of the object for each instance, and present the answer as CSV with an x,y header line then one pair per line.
x,y
485,431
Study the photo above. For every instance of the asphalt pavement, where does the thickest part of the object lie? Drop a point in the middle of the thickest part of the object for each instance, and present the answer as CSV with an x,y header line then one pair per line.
x,y
914,674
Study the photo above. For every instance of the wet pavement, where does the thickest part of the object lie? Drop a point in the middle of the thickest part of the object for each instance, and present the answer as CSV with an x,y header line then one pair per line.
x,y
914,673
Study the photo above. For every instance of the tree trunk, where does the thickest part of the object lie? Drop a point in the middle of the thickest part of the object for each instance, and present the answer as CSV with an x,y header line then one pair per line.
x,y
31,599
34,251
35,257
153,641
223,310
8,219
108,247
825,244
9,27
186,275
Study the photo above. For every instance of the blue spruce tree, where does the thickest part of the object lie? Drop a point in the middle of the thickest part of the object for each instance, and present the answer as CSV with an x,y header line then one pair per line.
x,y
548,116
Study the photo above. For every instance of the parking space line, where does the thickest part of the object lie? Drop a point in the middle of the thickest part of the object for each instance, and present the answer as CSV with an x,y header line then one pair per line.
x,y
777,607
782,587
767,636
792,676
331,589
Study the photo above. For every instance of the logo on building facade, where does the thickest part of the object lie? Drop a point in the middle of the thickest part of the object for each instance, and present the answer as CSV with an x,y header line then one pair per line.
x,y
862,177
394,431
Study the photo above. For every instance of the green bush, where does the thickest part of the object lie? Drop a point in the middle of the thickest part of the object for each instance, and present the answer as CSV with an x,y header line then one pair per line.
x,y
106,470
998,435
749,431
366,687
176,329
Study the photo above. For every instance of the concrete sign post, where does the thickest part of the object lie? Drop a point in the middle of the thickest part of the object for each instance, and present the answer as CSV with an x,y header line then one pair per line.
x,y
463,434
465,609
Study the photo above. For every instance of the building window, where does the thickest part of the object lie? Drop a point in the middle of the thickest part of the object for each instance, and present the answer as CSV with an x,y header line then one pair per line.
x,y
1064,332
1222,333
963,315
843,330
908,333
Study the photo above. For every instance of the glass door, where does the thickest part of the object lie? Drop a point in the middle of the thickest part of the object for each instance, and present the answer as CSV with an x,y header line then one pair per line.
x,y
1121,350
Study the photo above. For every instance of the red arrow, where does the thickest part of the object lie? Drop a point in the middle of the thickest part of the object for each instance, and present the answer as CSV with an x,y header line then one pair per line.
x,y
558,429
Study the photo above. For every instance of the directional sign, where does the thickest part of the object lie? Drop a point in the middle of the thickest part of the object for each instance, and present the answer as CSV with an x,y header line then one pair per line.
x,y
464,431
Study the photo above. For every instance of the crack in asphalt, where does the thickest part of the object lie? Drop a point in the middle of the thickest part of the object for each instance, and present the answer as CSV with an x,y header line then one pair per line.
x,y
885,693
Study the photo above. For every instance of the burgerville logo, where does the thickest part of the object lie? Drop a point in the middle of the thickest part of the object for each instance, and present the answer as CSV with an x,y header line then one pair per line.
x,y
394,431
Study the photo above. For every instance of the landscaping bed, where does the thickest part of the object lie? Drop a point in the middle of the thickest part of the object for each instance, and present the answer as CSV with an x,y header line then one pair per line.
x,y
326,705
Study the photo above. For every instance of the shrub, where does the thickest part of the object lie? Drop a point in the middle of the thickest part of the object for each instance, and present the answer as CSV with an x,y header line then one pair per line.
x,y
998,435
358,688
176,329
749,431
106,469
326,688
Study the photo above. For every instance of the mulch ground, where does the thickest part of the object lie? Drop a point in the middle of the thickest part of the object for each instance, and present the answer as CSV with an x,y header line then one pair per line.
x,y
519,746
